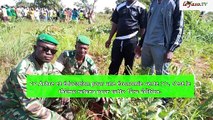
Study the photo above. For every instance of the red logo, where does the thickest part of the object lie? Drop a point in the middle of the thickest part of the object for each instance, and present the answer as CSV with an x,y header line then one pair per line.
x,y
191,3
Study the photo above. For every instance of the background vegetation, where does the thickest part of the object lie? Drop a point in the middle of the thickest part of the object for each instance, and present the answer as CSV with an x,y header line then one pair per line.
x,y
193,57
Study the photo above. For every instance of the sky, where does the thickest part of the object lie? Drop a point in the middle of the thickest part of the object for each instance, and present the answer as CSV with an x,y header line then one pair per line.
x,y
100,5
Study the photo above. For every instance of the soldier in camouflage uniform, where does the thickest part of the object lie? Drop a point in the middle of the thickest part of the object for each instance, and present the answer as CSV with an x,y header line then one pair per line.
x,y
14,104
77,62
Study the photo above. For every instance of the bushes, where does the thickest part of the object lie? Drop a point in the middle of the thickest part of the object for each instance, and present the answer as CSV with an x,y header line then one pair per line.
x,y
197,27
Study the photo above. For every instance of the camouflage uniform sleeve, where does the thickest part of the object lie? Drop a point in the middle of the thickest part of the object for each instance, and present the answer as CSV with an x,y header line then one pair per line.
x,y
59,63
33,107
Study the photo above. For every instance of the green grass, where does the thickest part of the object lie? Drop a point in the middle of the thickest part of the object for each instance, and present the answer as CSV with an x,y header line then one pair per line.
x,y
194,56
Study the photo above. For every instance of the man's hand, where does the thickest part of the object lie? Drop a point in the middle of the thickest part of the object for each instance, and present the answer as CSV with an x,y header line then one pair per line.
x,y
169,56
107,44
137,51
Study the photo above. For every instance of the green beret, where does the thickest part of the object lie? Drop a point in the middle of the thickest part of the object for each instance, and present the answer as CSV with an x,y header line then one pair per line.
x,y
47,38
83,40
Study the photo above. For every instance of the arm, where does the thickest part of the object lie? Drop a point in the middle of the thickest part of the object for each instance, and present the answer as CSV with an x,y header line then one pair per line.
x,y
178,24
33,107
143,24
142,32
115,17
112,32
139,45
177,32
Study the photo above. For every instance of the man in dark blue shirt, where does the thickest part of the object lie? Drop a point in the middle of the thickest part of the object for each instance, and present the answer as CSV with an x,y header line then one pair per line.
x,y
128,19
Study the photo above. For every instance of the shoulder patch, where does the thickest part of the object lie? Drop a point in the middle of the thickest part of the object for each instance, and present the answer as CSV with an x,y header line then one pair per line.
x,y
72,53
66,53
89,60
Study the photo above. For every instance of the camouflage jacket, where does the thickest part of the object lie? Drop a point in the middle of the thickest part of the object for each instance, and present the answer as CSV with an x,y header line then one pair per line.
x,y
14,90
67,64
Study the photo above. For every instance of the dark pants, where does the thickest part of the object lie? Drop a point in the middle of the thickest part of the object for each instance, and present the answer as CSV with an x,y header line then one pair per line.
x,y
122,49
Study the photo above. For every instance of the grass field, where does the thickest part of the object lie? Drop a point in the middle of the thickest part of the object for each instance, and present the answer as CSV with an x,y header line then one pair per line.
x,y
195,56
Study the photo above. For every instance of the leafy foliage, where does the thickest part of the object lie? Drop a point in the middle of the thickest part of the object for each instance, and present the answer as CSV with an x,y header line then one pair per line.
x,y
107,10
89,8
47,3
22,3
99,29
195,24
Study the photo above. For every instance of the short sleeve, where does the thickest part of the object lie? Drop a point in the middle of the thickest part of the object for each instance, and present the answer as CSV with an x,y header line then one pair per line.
x,y
142,17
115,16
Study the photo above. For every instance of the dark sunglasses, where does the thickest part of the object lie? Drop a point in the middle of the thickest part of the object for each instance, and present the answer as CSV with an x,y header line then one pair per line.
x,y
46,49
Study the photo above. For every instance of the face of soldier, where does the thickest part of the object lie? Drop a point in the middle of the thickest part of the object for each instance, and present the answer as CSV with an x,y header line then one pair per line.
x,y
81,49
45,52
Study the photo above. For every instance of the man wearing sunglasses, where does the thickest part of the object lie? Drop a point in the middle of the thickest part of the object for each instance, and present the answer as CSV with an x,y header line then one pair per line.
x,y
14,103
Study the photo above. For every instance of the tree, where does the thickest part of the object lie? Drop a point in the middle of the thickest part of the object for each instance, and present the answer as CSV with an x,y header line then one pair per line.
x,y
88,8
22,3
119,1
145,2
107,10
47,3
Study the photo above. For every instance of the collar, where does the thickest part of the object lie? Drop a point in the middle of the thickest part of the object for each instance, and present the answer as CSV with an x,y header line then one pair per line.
x,y
36,64
128,6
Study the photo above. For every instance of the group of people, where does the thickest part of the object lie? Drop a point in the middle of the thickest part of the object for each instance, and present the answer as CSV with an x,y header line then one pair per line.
x,y
161,32
14,102
8,13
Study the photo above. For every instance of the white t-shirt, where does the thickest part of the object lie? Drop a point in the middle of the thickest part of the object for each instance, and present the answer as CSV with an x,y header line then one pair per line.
x,y
4,11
